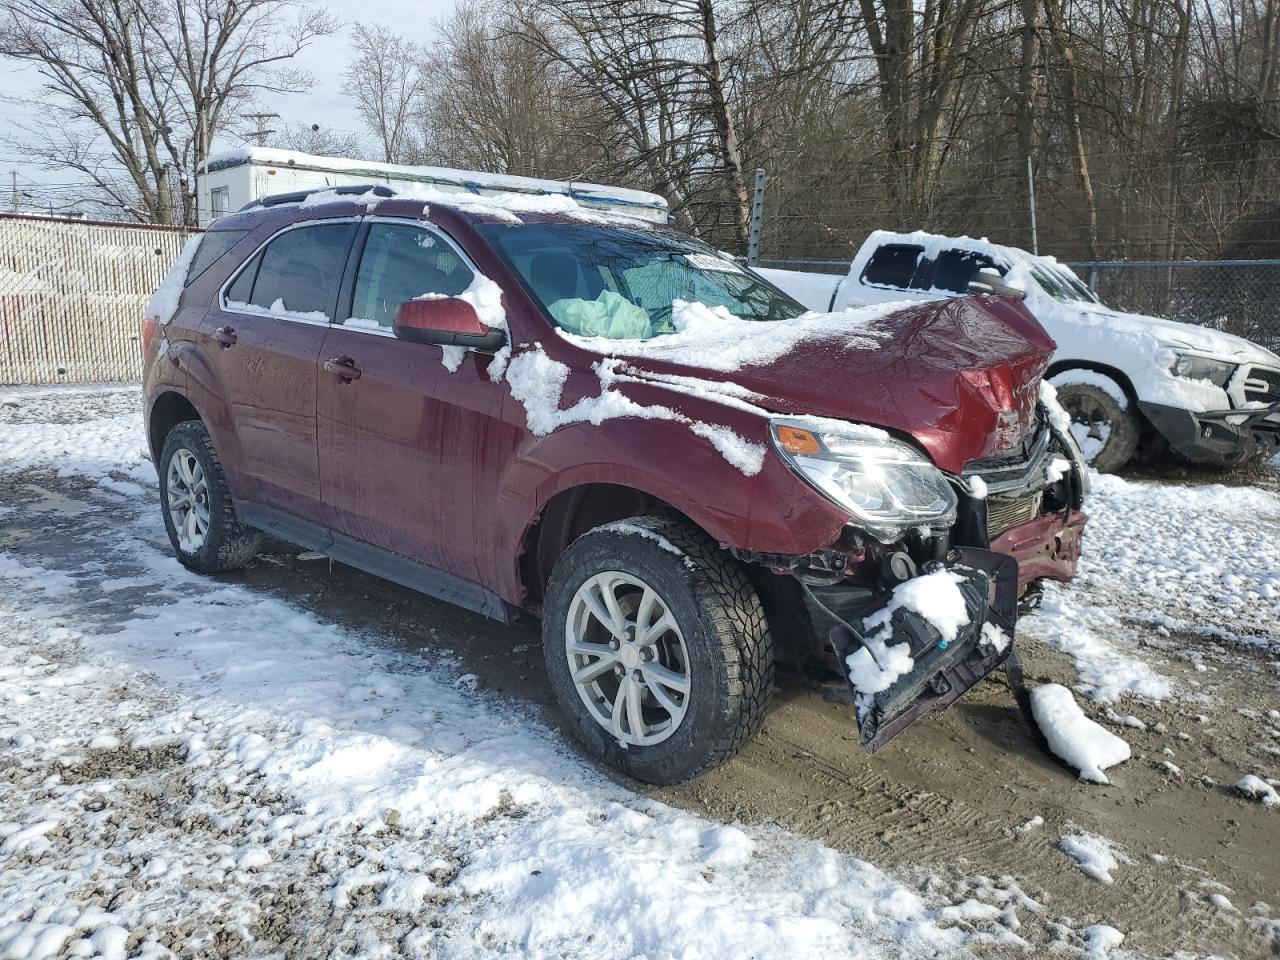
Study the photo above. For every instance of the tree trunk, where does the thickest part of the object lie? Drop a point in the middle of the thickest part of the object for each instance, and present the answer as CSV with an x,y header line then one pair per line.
x,y
722,115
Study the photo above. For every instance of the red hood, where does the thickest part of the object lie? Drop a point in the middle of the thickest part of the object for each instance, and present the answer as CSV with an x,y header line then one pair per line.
x,y
960,376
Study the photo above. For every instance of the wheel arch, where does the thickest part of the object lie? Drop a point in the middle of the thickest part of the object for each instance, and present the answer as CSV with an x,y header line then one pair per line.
x,y
1119,376
573,511
168,410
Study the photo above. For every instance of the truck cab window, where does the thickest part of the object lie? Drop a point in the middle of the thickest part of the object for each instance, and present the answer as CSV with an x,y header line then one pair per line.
x,y
955,268
893,265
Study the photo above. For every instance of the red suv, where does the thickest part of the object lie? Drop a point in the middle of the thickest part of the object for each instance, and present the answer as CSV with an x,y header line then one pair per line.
x,y
524,407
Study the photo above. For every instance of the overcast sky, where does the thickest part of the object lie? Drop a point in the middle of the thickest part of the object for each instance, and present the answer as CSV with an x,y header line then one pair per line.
x,y
325,59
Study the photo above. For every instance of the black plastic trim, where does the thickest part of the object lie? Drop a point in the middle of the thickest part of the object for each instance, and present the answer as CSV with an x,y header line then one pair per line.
x,y
375,560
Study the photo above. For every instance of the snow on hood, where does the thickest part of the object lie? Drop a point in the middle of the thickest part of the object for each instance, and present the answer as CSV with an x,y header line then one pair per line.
x,y
711,338
913,367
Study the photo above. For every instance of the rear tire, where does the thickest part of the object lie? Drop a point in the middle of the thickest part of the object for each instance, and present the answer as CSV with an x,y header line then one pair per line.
x,y
639,574
203,528
1106,431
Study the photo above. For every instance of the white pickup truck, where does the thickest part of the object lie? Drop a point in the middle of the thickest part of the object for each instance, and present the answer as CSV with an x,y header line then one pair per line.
x,y
1130,382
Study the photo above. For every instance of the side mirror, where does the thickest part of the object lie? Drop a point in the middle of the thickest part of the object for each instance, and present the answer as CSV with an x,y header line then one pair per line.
x,y
988,282
447,321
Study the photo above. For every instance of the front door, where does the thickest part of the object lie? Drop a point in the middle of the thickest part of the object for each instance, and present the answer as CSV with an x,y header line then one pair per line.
x,y
403,426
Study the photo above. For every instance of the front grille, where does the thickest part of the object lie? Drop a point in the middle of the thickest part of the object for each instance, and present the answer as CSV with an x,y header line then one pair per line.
x,y
1006,512
1262,385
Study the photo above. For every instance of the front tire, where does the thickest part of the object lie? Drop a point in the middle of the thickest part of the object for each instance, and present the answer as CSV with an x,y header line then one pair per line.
x,y
1106,429
198,514
657,649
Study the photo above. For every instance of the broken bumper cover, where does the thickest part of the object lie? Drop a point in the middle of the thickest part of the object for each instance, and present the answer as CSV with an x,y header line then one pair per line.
x,y
1222,437
943,671
1046,548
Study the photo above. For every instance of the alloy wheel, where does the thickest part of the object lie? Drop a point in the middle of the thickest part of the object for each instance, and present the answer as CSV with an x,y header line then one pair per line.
x,y
627,658
187,491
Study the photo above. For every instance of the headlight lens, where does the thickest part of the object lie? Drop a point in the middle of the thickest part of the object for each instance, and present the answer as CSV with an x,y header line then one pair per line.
x,y
1191,367
882,482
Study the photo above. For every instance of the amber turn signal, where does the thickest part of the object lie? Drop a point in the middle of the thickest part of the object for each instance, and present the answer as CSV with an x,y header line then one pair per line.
x,y
796,440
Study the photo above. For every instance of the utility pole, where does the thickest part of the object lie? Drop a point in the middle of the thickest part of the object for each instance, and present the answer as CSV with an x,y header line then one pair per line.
x,y
13,179
262,132
757,217
1031,193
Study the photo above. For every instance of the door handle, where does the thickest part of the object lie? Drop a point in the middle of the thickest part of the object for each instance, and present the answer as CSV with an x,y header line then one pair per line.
x,y
226,336
343,367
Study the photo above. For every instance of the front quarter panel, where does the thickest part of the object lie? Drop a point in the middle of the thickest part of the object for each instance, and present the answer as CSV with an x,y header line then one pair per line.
x,y
768,509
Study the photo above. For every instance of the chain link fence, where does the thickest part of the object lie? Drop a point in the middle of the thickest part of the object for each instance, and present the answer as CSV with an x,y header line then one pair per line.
x,y
72,294
1237,296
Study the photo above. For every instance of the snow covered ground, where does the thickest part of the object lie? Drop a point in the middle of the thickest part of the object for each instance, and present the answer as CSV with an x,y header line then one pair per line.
x,y
209,767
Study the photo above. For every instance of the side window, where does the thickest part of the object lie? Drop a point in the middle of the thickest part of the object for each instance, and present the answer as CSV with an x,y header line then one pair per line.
x,y
955,268
893,265
212,246
240,291
301,269
401,262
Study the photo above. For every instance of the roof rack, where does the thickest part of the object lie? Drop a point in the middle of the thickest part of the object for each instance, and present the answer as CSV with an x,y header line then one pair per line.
x,y
279,199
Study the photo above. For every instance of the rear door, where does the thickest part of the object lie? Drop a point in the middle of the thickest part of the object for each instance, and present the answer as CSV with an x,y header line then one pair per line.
x,y
266,331
403,426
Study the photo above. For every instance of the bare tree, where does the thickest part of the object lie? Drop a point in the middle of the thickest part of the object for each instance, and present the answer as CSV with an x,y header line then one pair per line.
x,y
320,140
138,90
662,73
386,80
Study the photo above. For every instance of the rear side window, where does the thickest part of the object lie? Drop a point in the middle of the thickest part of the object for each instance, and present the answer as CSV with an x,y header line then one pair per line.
x,y
955,268
298,271
212,246
893,265
401,262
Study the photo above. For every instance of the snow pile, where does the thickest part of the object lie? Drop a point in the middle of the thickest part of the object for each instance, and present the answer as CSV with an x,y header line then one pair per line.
x,y
1105,653
1096,856
486,297
876,665
934,596
1058,416
1072,736
711,338
1255,788
45,427
164,302
1100,940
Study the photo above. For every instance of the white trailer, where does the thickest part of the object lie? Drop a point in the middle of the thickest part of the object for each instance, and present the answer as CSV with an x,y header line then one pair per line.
x,y
228,181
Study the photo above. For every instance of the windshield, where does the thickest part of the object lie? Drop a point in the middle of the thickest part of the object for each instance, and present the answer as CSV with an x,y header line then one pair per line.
x,y
1062,285
604,281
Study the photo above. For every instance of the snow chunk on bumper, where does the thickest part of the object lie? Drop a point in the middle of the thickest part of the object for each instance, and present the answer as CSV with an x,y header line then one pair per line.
x,y
875,666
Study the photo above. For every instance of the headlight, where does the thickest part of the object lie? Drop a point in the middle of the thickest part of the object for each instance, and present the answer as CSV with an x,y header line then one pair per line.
x,y
1191,367
882,482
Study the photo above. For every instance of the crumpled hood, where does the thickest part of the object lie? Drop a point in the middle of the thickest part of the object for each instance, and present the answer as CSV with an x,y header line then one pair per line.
x,y
960,376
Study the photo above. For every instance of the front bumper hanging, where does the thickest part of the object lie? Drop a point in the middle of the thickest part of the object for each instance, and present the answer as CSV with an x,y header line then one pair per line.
x,y
943,671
